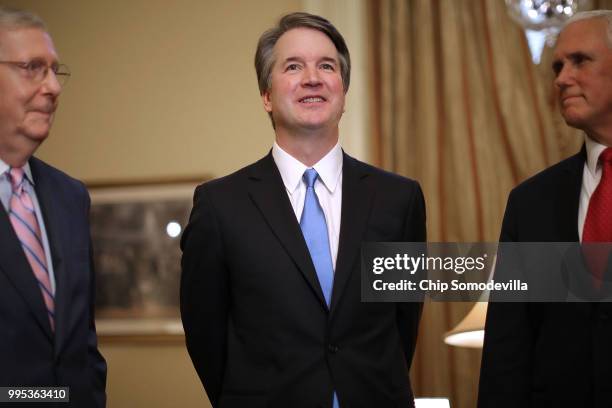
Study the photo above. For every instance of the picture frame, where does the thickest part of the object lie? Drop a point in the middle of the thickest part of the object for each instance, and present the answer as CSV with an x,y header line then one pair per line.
x,y
136,229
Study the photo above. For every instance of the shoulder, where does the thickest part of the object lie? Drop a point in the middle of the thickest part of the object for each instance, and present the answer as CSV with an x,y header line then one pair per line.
x,y
60,181
379,178
551,179
238,180
542,207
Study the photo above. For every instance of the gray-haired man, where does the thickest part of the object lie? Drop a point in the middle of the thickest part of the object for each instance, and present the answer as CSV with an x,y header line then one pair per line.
x,y
270,290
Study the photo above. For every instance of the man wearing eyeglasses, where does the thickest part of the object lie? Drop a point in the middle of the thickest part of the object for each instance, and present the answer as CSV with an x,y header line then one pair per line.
x,y
47,331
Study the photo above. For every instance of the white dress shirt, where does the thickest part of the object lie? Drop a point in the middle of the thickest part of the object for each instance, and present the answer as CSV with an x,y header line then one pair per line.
x,y
590,179
6,191
328,188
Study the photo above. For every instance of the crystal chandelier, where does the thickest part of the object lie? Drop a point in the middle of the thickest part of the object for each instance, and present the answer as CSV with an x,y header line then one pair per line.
x,y
542,20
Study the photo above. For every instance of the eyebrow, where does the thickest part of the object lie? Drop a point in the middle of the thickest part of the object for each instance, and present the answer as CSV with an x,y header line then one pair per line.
x,y
300,59
572,56
329,59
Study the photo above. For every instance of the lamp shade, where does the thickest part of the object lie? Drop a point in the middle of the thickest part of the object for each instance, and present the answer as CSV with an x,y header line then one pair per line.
x,y
431,403
470,331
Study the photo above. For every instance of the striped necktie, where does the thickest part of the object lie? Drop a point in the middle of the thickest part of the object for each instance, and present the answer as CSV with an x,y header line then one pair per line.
x,y
25,224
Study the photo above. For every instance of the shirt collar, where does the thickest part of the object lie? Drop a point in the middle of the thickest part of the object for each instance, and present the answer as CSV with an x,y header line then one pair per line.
x,y
291,169
26,169
593,150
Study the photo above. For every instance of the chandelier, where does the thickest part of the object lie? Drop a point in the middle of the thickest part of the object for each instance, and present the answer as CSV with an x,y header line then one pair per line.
x,y
542,19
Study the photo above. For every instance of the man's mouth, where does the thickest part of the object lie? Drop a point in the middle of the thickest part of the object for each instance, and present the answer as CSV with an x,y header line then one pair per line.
x,y
568,97
312,99
44,110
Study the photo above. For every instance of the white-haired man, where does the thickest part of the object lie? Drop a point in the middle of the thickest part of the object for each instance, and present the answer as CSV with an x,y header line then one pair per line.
x,y
553,354
47,332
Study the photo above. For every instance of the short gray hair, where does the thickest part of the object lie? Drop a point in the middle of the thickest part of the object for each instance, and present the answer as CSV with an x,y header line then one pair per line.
x,y
12,18
587,15
264,56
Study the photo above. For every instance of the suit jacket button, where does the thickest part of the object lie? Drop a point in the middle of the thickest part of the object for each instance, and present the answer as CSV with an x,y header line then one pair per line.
x,y
333,348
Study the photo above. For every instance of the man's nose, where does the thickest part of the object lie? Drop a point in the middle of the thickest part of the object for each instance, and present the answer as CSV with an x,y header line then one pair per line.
x,y
564,77
51,85
311,77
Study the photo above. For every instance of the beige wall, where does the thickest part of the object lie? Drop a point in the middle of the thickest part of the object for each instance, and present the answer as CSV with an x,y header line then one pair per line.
x,y
151,374
159,90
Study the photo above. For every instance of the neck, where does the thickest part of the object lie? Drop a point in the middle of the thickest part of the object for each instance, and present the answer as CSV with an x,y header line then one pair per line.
x,y
601,132
307,147
17,153
14,160
604,138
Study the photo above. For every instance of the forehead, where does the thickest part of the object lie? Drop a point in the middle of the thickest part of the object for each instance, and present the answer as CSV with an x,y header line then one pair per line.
x,y
588,35
305,43
22,44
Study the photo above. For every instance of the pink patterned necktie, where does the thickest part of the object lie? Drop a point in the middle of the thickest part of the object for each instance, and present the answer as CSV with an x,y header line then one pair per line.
x,y
25,224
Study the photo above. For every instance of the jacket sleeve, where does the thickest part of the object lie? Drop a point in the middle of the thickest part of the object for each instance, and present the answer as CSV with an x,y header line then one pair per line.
x,y
409,313
204,294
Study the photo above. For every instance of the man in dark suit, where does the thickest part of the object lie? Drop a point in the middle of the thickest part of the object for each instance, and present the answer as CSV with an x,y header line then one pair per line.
x,y
47,332
270,289
554,354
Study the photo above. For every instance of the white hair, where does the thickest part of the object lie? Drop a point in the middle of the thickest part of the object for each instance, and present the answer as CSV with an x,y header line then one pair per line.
x,y
14,18
588,15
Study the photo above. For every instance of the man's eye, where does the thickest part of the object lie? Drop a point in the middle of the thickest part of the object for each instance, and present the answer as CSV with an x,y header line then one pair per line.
x,y
292,67
328,67
579,59
35,66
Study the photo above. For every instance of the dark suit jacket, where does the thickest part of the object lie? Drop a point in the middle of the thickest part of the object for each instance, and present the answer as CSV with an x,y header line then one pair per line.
x,y
256,323
30,354
547,354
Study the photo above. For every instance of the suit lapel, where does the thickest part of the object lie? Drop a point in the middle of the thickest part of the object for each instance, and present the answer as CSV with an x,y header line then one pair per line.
x,y
51,209
567,205
356,203
267,191
568,199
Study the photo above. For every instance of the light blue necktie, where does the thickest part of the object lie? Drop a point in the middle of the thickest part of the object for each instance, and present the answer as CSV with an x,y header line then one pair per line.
x,y
314,229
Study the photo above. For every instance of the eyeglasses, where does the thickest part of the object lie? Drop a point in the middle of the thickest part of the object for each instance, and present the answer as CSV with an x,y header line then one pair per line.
x,y
37,70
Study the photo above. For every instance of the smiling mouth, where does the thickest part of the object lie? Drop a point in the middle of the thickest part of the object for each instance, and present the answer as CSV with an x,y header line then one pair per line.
x,y
312,99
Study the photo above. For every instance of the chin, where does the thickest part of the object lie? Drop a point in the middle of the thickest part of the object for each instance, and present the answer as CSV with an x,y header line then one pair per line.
x,y
316,123
37,135
576,123
573,118
37,129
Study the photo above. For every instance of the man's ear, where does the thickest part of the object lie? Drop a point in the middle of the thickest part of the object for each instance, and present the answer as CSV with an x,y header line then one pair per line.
x,y
265,97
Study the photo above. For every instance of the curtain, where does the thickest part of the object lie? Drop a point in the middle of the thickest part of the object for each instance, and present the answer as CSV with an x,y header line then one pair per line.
x,y
459,106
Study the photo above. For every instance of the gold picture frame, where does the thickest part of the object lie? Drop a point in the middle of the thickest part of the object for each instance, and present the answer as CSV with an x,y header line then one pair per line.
x,y
135,228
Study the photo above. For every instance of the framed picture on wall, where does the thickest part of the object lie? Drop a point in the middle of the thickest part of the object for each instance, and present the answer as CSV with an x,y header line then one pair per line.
x,y
136,229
